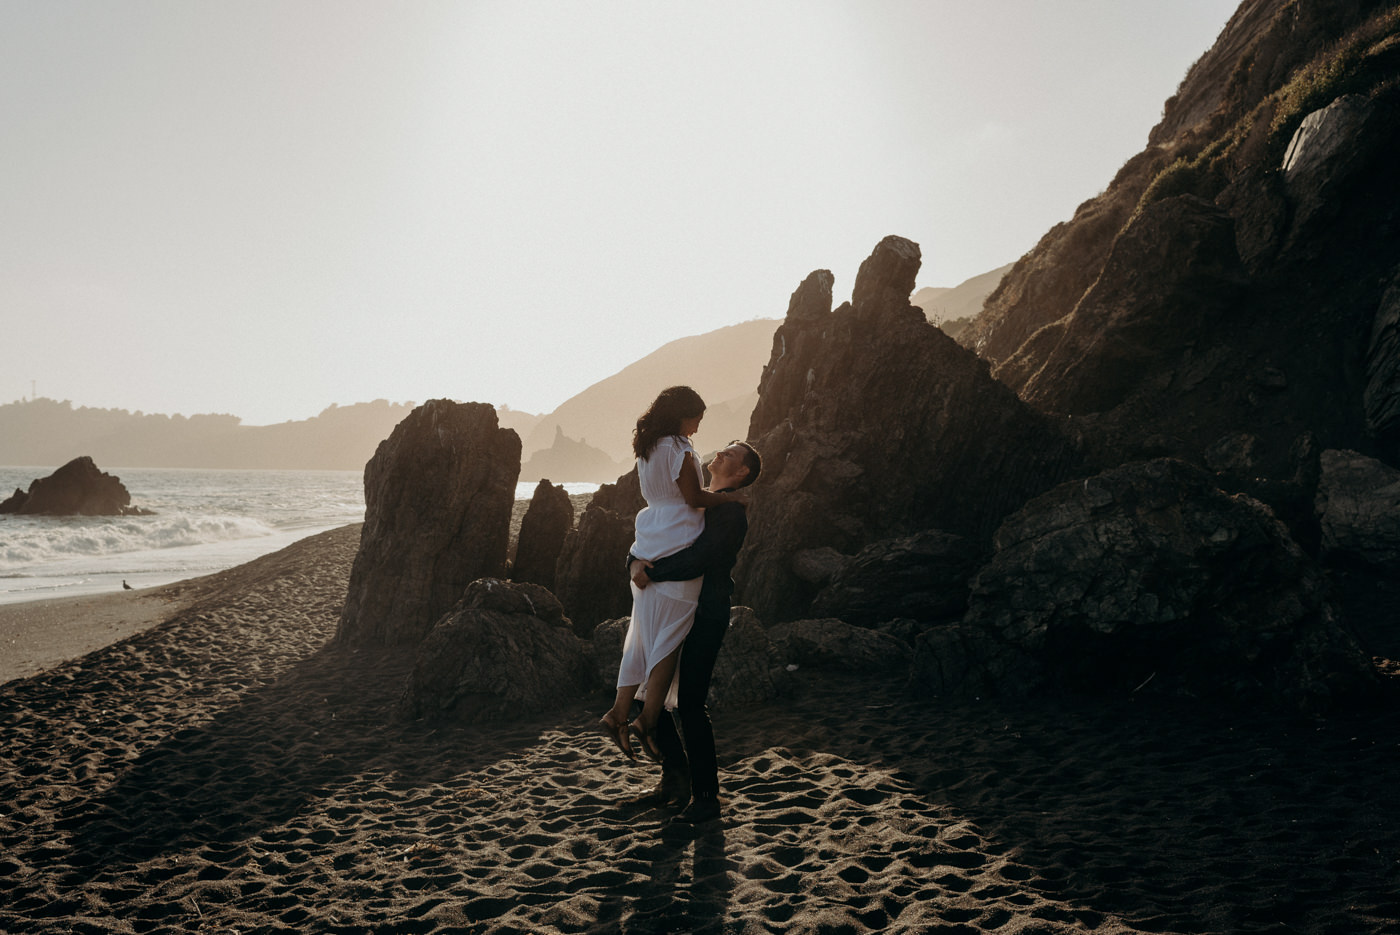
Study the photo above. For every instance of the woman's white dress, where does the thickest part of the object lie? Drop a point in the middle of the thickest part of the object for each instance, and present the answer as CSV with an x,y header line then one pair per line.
x,y
663,611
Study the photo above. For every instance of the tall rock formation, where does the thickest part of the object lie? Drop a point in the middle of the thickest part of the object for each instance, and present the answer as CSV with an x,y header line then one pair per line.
x,y
873,423
438,498
546,524
591,577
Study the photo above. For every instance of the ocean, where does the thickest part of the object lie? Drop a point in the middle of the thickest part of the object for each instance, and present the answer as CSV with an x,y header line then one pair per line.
x,y
205,521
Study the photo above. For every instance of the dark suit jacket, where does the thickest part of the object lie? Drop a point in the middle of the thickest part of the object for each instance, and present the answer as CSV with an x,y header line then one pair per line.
x,y
713,555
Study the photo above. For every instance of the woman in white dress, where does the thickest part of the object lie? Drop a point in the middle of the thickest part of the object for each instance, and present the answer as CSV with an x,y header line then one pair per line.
x,y
673,488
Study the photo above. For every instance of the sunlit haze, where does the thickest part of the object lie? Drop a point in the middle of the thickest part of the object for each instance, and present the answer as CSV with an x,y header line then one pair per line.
x,y
262,208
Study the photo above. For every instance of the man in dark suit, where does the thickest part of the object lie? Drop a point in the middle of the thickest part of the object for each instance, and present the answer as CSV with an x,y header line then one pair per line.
x,y
689,769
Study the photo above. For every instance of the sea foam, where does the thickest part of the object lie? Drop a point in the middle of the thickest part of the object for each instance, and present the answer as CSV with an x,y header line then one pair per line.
x,y
28,544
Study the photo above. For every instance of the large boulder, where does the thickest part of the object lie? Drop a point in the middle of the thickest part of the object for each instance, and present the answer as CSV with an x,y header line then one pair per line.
x,y
920,577
78,488
1148,577
547,522
1358,506
749,669
504,652
1322,160
839,646
438,499
873,424
591,576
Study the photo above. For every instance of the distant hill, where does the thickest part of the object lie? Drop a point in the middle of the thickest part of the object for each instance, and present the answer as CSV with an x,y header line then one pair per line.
x,y
522,422
722,365
953,309
45,432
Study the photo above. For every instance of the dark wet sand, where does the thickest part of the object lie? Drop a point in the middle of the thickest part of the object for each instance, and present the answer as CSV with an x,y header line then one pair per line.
x,y
228,771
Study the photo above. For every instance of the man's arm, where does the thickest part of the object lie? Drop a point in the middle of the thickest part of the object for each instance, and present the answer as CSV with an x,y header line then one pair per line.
x,y
724,534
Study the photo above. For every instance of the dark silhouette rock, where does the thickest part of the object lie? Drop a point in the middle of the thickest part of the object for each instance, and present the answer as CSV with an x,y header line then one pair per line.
x,y
591,577
78,488
438,499
1381,398
818,567
1148,577
606,645
872,424
1323,158
836,645
504,652
1171,270
919,577
1046,283
1358,506
965,662
1229,117
1228,280
749,669
547,522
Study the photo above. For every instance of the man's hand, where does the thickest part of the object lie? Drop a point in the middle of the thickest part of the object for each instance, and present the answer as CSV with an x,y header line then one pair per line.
x,y
638,570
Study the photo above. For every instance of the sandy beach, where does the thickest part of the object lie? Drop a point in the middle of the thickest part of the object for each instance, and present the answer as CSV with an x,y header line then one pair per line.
x,y
225,770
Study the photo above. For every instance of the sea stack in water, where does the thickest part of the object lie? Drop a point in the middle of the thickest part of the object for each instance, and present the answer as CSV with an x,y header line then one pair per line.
x,y
438,498
76,489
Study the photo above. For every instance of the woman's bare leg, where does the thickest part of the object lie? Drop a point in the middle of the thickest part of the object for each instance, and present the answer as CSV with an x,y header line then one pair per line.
x,y
658,685
614,721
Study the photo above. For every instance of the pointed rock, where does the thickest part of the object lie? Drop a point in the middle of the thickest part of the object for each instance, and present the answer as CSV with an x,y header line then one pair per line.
x,y
547,522
438,498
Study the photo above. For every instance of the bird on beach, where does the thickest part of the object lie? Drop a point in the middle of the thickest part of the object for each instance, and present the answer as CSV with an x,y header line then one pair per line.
x,y
125,586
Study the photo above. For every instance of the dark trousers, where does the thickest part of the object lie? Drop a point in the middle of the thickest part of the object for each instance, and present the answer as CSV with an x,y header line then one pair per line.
x,y
697,666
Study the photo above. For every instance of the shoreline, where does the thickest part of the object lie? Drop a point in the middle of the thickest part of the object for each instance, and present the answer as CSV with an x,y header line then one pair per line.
x,y
38,634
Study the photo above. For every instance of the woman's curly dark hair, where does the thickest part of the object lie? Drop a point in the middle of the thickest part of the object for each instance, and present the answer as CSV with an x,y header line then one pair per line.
x,y
664,417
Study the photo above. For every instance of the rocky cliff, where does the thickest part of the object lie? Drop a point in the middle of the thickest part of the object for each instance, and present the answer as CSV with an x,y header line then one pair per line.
x,y
1201,342
1232,279
873,423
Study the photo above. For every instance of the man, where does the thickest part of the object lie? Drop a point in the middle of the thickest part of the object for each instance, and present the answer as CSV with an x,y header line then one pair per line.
x,y
689,770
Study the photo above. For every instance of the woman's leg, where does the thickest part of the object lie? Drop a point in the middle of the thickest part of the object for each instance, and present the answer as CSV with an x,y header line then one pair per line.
x,y
614,721
658,684
630,673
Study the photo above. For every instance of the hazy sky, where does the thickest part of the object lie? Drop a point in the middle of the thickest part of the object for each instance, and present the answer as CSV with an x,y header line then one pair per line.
x,y
262,207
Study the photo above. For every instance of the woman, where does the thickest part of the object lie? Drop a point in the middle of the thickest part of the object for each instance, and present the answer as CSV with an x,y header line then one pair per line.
x,y
672,486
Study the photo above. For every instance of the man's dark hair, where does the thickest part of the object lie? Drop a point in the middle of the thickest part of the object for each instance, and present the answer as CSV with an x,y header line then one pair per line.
x,y
751,461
